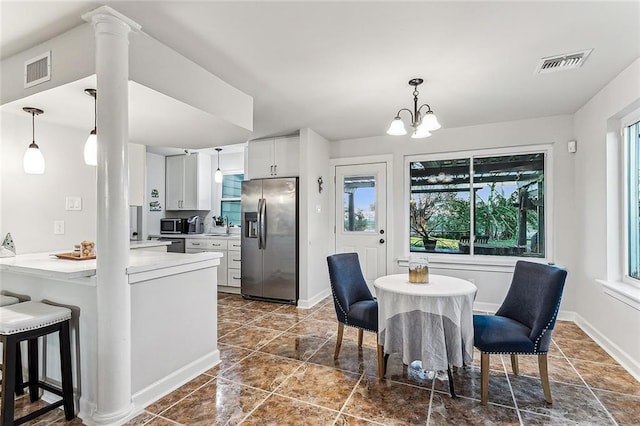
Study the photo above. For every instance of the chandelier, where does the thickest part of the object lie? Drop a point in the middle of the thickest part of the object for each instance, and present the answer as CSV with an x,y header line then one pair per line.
x,y
423,123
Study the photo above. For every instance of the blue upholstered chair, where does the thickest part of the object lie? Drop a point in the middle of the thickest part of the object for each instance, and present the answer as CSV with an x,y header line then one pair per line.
x,y
524,322
354,303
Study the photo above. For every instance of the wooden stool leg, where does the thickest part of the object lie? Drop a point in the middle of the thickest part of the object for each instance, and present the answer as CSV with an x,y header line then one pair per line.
x,y
19,377
65,369
34,373
9,361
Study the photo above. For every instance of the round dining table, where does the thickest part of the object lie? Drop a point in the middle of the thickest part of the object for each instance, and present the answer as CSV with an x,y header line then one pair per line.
x,y
430,322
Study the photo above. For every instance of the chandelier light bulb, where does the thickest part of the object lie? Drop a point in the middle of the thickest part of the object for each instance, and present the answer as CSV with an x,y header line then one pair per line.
x,y
91,149
397,127
33,161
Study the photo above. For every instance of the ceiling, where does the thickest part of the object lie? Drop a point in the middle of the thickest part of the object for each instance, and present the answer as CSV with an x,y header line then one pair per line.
x,y
341,68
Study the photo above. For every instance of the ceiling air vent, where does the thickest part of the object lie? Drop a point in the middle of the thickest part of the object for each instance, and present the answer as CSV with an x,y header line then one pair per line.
x,y
563,62
37,70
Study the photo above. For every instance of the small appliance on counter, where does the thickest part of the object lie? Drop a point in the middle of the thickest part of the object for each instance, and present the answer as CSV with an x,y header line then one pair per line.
x,y
174,226
195,225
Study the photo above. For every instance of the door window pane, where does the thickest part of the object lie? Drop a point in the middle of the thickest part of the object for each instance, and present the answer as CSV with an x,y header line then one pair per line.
x,y
230,202
359,204
439,213
633,199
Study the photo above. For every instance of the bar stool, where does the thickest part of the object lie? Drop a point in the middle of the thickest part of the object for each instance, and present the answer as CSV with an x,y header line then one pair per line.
x,y
6,301
28,321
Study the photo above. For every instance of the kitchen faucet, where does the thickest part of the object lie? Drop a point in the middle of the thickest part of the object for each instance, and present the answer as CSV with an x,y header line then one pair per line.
x,y
226,221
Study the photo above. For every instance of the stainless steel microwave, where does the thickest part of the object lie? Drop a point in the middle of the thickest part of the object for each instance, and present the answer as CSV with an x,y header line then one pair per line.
x,y
174,226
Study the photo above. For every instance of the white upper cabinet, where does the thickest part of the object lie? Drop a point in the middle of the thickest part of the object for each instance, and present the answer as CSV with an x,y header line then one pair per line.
x,y
188,182
277,157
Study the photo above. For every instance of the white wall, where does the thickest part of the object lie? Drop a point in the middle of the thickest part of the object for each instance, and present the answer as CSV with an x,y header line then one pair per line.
x,y
492,282
30,203
155,180
611,320
315,218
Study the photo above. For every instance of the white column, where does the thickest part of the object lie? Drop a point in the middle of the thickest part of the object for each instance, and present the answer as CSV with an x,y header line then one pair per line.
x,y
113,293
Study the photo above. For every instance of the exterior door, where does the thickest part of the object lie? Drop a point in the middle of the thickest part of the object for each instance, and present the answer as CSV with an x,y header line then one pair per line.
x,y
361,219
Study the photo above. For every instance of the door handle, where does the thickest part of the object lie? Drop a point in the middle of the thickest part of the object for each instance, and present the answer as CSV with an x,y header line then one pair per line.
x,y
381,240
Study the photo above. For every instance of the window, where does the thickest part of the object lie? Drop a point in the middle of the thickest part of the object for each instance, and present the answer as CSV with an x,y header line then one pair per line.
x,y
632,199
359,203
478,205
230,199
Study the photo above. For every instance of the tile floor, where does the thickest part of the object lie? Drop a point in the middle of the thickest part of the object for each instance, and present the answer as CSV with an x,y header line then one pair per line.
x,y
277,369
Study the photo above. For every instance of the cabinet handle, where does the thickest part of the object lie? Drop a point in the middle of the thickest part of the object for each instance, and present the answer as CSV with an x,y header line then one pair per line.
x,y
237,245
236,278
236,260
195,244
275,170
216,245
271,172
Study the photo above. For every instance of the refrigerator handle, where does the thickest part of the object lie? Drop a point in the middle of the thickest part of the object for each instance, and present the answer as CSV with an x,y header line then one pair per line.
x,y
262,224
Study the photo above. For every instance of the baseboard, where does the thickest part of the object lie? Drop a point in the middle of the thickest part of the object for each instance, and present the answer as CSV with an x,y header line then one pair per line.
x,y
626,361
168,384
309,303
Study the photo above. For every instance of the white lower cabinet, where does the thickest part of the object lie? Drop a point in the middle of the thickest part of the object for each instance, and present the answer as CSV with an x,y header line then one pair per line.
x,y
229,268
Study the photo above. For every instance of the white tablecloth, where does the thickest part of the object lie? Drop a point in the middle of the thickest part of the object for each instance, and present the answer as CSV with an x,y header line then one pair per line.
x,y
430,322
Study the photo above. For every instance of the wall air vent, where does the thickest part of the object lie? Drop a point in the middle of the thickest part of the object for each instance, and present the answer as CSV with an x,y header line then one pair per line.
x,y
37,70
563,62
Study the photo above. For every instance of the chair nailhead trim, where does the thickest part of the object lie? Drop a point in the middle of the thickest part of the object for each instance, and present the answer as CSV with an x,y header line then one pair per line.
x,y
335,298
546,328
514,353
35,327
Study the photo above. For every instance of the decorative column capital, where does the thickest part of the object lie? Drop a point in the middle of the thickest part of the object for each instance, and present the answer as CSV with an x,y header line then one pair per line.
x,y
106,19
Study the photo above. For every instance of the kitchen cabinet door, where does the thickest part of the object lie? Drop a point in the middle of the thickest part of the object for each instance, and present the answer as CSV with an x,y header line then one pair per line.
x,y
287,156
174,182
188,182
260,159
277,157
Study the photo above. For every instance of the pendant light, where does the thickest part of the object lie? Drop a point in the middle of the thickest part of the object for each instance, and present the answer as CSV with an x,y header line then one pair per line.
x,y
91,145
33,161
423,123
218,175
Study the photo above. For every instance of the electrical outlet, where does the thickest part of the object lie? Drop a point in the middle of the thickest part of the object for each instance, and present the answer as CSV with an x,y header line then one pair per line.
x,y
73,203
58,227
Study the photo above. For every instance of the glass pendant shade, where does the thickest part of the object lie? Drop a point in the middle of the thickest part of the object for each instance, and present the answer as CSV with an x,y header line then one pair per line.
x,y
91,149
218,176
420,133
397,127
33,161
430,121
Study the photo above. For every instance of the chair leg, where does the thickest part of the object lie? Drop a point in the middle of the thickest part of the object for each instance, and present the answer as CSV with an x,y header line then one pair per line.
x,y
514,364
381,363
360,333
339,340
484,381
34,373
544,377
19,376
9,361
65,370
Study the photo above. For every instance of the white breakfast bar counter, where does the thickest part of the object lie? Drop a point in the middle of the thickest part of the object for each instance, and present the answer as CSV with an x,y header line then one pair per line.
x,y
173,317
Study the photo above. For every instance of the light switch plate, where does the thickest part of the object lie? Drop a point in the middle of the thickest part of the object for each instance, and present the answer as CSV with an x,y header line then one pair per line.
x,y
73,203
572,146
58,227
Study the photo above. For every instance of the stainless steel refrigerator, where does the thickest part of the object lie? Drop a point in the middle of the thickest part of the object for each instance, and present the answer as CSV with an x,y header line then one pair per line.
x,y
270,239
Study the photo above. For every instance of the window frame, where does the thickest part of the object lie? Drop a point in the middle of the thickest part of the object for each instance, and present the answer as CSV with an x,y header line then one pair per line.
x,y
626,122
475,259
238,199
